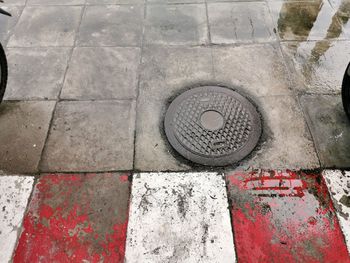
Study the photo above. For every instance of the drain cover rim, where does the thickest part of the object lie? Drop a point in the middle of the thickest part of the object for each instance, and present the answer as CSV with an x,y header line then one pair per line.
x,y
224,160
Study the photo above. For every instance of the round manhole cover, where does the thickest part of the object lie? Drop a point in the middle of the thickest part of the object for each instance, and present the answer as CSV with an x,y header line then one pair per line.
x,y
212,126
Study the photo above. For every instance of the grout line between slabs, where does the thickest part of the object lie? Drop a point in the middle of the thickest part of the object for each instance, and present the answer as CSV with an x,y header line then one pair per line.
x,y
208,24
306,120
217,45
293,82
59,94
133,99
139,82
134,172
15,26
210,41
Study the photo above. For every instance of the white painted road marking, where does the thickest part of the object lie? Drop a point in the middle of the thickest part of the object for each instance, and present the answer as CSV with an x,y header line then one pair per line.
x,y
339,187
14,194
179,217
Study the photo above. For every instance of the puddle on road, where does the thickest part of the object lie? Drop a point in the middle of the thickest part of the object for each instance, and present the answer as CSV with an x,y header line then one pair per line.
x,y
316,20
312,30
319,65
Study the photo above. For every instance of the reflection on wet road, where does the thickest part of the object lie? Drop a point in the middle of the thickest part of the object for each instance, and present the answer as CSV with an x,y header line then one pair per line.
x,y
286,216
312,30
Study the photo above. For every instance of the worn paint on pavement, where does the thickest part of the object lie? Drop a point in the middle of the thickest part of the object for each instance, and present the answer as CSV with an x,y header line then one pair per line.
x,y
14,194
338,183
284,217
76,218
178,217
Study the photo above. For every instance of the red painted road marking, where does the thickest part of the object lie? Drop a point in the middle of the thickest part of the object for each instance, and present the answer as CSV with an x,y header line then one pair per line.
x,y
284,217
76,218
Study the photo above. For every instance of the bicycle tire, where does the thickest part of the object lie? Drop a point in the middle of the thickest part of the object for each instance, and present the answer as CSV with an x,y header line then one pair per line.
x,y
3,72
346,92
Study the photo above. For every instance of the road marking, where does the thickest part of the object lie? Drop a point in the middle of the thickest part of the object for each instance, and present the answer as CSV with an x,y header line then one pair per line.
x,y
179,217
14,194
339,187
76,218
284,217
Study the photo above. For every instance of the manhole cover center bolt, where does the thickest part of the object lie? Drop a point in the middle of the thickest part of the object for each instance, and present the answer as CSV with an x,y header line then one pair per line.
x,y
212,120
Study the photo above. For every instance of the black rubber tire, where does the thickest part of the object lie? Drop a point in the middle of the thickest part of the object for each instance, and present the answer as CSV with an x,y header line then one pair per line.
x,y
345,92
3,67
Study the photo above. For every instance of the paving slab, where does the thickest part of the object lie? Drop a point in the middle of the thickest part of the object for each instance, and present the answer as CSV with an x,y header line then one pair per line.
x,y
76,218
176,217
223,1
91,136
16,2
284,217
8,23
15,191
330,129
175,1
286,141
319,65
108,73
111,25
176,24
240,22
24,127
338,183
35,73
303,21
165,72
36,28
257,70
113,2
55,2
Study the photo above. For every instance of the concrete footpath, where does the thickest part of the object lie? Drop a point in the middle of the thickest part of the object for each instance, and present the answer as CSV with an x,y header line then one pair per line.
x,y
90,81
87,174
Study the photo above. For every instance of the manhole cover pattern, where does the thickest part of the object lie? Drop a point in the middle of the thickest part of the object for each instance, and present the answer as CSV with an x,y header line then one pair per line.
x,y
212,125
226,140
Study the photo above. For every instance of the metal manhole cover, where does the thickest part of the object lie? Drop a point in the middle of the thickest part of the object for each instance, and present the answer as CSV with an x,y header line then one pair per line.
x,y
212,126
